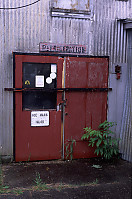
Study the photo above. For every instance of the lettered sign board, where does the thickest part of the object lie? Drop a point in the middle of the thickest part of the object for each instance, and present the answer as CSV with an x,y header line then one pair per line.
x,y
63,48
40,118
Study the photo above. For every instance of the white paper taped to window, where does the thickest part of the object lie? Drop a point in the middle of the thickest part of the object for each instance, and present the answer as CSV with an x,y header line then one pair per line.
x,y
39,81
48,80
52,75
53,68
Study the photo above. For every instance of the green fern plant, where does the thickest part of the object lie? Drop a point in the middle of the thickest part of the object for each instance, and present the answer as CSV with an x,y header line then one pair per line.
x,y
102,139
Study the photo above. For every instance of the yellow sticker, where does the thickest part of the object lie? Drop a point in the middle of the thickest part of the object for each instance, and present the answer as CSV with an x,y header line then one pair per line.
x,y
27,82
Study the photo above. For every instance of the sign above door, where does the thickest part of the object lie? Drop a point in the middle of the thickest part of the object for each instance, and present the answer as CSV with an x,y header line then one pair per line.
x,y
73,49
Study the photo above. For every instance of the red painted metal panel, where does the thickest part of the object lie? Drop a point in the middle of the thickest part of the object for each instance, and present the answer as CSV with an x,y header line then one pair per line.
x,y
82,109
36,143
85,109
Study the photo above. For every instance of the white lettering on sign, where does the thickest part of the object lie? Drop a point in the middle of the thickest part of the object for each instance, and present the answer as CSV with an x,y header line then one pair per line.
x,y
40,118
39,81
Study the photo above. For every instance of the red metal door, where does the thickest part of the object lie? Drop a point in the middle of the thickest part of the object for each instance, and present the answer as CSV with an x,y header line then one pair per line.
x,y
84,108
36,142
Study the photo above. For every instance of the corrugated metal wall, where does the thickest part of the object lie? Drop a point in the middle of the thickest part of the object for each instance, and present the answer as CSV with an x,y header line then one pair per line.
x,y
109,38
126,128
20,30
23,29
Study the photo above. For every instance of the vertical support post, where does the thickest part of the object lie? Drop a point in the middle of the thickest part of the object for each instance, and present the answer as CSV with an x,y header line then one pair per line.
x,y
63,110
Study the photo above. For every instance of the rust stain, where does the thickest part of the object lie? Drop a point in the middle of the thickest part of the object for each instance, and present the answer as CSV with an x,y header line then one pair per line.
x,y
56,1
87,5
74,5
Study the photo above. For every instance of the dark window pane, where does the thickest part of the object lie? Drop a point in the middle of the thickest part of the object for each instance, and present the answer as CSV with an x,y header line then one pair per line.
x,y
38,99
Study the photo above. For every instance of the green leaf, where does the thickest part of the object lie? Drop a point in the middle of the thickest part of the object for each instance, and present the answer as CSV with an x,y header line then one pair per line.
x,y
105,135
115,151
97,152
105,155
5,187
100,136
94,139
115,142
85,136
111,151
98,143
93,144
105,142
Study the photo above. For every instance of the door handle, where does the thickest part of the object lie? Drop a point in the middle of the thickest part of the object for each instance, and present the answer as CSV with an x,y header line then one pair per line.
x,y
63,103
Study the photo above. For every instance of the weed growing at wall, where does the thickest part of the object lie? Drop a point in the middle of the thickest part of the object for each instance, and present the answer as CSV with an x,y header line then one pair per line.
x,y
102,139
69,149
38,182
3,189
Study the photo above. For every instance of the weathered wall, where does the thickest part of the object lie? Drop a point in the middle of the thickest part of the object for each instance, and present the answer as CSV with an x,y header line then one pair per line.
x,y
126,124
23,29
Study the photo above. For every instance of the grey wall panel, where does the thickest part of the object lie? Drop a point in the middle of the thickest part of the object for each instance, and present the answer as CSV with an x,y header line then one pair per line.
x,y
126,128
109,37
20,30
71,31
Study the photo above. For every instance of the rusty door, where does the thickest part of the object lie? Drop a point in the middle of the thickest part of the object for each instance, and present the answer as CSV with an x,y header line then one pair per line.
x,y
37,138
70,91
84,107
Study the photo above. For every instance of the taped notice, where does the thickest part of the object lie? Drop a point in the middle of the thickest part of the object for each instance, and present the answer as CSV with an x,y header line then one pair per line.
x,y
48,80
40,118
53,68
39,81
52,75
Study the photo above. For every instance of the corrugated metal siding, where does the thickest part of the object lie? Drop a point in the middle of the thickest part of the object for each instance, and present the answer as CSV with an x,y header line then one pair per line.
x,y
110,39
126,128
23,29
71,31
20,30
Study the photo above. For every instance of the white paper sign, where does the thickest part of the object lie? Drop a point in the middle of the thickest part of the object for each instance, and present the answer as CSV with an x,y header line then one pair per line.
x,y
40,118
48,80
53,68
39,81
52,75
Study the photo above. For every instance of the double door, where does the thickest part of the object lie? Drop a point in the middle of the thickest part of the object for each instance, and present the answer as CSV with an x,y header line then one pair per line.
x,y
55,98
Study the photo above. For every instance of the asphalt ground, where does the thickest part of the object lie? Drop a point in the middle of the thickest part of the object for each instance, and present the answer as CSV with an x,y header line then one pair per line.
x,y
84,178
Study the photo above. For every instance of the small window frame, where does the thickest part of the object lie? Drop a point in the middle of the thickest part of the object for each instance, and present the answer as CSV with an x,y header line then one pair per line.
x,y
72,11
